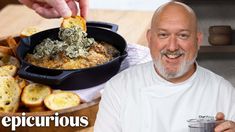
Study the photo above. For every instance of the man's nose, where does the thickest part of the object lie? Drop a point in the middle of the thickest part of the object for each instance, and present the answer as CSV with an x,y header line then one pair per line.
x,y
172,44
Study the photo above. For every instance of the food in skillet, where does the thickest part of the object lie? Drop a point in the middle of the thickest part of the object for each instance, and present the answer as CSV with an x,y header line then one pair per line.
x,y
19,95
74,50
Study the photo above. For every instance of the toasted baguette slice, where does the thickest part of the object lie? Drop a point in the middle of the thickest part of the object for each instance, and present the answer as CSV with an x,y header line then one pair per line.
x,y
9,94
28,31
74,21
61,100
9,69
3,73
34,94
8,60
6,50
57,91
22,82
12,44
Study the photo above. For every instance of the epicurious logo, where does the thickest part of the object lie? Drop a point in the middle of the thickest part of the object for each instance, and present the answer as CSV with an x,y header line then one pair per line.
x,y
44,121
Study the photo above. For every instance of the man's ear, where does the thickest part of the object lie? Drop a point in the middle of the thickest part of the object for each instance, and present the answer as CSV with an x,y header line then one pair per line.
x,y
148,36
199,38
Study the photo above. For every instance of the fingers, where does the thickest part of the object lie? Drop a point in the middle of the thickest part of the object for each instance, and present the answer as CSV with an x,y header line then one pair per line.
x,y
83,5
73,7
229,131
57,8
61,7
41,8
28,3
225,126
45,11
219,116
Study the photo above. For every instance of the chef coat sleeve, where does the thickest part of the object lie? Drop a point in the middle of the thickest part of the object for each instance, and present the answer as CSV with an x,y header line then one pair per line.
x,y
108,117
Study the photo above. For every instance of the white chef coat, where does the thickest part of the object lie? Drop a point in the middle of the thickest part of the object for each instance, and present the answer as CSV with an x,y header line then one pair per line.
x,y
139,100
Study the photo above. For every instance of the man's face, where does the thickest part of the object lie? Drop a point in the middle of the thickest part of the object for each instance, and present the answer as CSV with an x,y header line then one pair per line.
x,y
173,42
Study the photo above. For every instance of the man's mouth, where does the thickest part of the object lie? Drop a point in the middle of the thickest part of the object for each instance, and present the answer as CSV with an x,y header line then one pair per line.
x,y
173,56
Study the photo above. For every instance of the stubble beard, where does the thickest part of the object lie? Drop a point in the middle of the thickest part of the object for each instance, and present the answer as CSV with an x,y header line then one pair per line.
x,y
183,68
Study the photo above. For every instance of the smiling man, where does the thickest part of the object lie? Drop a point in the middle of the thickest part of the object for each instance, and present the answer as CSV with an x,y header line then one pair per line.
x,y
174,41
160,96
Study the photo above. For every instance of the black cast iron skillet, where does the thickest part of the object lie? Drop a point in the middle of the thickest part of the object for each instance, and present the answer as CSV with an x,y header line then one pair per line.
x,y
78,78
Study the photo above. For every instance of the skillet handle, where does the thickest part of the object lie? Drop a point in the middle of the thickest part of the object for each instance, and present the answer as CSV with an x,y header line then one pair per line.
x,y
106,25
122,57
43,77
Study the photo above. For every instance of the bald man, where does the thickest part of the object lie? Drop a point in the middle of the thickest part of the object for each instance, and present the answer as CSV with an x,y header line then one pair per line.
x,y
162,95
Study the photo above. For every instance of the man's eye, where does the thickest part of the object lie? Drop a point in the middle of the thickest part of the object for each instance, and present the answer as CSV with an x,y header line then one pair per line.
x,y
162,35
183,36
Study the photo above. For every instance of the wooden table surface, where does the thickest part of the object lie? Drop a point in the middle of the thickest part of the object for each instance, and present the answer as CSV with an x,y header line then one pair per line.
x,y
132,24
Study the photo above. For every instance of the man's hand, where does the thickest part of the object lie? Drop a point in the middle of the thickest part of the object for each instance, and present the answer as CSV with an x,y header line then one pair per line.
x,y
226,126
57,8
